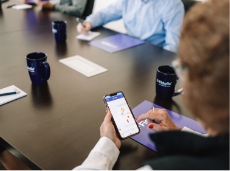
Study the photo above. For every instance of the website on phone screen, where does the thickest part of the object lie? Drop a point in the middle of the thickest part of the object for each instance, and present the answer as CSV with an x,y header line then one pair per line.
x,y
122,115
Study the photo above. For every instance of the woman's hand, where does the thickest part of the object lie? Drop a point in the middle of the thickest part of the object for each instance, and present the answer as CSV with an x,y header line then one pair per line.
x,y
159,120
107,130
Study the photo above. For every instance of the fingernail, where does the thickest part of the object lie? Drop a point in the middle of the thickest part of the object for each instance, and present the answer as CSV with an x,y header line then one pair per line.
x,y
106,111
136,119
150,126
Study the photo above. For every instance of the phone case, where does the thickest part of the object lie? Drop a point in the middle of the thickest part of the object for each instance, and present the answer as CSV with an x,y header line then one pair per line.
x,y
118,133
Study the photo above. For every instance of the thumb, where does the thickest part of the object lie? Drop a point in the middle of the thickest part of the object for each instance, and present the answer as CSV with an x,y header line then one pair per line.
x,y
108,117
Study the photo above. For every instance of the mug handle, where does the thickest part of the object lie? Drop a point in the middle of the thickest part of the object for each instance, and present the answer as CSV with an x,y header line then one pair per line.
x,y
180,91
47,70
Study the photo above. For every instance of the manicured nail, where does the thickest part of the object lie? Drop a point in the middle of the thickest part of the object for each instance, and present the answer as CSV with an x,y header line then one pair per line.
x,y
106,111
150,126
136,119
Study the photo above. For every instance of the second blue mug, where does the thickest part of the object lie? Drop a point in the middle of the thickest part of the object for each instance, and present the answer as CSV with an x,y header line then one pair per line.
x,y
38,68
59,31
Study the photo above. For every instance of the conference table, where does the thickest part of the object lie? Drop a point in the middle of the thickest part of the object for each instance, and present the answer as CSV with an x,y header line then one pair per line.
x,y
57,124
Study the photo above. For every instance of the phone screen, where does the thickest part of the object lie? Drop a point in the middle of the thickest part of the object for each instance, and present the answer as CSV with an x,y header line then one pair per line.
x,y
122,115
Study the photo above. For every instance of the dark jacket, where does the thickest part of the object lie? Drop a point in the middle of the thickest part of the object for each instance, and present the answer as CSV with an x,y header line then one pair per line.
x,y
72,7
182,150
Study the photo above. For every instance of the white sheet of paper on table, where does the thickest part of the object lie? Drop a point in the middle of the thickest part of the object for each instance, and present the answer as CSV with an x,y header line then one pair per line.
x,y
23,6
88,37
83,66
9,98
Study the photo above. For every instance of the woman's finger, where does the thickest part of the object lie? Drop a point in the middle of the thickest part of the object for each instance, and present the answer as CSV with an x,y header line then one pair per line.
x,y
108,117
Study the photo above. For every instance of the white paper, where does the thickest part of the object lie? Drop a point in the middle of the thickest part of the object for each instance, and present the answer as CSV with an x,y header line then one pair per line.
x,y
9,98
23,6
88,37
83,66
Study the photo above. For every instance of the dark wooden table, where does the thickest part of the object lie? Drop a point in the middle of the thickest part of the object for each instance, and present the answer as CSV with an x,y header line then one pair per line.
x,y
57,124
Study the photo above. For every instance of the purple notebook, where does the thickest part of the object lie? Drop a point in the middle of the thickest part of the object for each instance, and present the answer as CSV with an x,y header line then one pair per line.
x,y
116,43
181,121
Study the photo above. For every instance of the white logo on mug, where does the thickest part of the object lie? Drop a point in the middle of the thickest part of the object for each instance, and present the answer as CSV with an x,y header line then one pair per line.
x,y
54,30
31,69
164,84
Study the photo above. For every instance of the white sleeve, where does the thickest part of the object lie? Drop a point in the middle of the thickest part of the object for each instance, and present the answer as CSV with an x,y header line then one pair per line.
x,y
146,167
191,131
102,157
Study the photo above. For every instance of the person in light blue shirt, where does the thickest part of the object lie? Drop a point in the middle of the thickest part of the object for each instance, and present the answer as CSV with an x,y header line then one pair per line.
x,y
155,21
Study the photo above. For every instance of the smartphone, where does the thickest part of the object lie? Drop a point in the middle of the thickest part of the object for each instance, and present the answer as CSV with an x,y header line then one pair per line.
x,y
123,118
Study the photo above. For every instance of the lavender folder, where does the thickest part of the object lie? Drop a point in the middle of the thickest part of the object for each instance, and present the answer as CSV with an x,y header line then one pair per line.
x,y
181,121
116,43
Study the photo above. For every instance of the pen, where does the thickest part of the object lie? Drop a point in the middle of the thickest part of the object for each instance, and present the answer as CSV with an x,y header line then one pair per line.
x,y
10,6
80,21
9,93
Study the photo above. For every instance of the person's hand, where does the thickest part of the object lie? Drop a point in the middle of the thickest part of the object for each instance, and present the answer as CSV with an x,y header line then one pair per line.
x,y
47,5
107,130
84,30
159,120
44,5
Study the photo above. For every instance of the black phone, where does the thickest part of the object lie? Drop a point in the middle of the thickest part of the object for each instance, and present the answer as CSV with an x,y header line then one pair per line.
x,y
123,118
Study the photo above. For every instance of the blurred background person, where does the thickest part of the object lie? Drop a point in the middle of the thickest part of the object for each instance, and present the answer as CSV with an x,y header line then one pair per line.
x,y
71,7
158,22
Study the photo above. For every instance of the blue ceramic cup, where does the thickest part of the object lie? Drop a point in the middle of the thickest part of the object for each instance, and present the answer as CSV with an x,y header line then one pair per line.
x,y
166,80
38,68
59,31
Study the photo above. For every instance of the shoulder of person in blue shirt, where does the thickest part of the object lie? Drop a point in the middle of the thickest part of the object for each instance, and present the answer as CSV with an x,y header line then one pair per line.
x,y
155,21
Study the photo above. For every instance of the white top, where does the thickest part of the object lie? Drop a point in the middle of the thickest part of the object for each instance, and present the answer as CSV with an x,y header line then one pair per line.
x,y
102,157
105,153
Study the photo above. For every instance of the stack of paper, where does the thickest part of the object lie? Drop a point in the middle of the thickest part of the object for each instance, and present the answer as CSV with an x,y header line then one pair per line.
x,y
23,6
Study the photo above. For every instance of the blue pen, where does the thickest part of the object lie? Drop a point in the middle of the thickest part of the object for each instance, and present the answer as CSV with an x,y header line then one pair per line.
x,y
10,93
10,6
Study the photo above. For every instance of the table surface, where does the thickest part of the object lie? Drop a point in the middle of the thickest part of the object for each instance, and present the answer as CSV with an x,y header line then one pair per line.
x,y
57,124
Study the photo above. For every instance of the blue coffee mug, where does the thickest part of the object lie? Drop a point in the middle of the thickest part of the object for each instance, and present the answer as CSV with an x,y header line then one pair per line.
x,y
38,68
166,80
59,31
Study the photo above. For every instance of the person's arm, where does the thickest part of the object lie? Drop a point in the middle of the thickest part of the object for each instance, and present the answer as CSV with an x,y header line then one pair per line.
x,y
76,9
105,153
173,17
102,157
111,13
